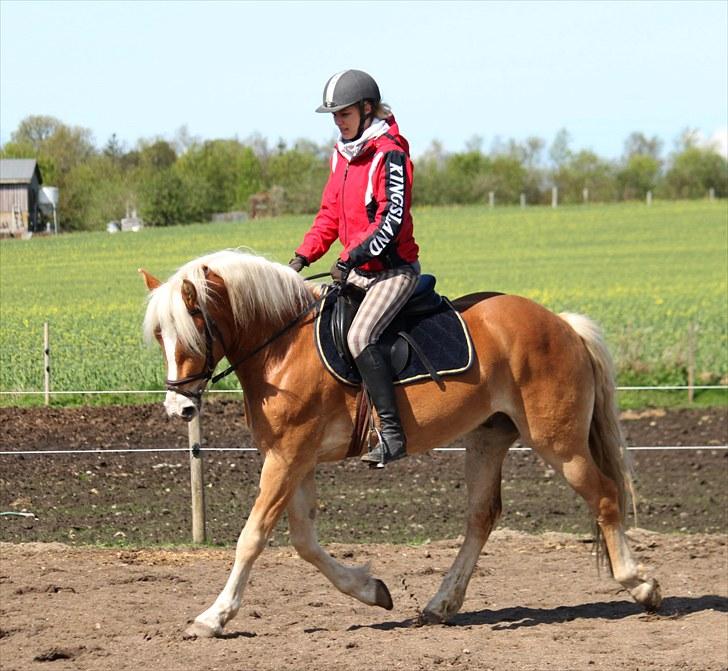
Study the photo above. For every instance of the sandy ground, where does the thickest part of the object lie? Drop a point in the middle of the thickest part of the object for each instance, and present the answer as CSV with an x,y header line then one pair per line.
x,y
535,602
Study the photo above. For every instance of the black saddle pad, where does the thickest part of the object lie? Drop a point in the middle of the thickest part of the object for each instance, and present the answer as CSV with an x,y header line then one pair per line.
x,y
442,336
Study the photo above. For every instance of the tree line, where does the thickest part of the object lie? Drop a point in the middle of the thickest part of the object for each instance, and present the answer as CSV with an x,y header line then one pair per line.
x,y
187,179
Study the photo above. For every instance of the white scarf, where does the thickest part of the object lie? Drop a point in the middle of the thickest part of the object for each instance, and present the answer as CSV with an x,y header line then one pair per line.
x,y
350,150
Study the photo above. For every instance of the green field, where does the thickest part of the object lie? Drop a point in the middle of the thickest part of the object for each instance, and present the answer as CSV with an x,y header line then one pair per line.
x,y
647,275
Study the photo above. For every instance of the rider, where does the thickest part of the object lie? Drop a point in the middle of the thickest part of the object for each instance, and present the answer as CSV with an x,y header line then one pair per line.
x,y
366,205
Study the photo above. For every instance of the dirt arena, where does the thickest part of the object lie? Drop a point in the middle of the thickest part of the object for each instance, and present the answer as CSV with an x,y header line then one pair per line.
x,y
536,600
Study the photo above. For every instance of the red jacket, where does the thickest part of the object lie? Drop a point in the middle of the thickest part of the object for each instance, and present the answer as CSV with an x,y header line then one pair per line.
x,y
366,205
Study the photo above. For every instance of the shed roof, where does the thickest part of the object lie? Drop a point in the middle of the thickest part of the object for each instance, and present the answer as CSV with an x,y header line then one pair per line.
x,y
18,170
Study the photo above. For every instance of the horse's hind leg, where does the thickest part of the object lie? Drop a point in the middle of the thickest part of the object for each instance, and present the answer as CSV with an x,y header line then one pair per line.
x,y
600,494
486,449
355,582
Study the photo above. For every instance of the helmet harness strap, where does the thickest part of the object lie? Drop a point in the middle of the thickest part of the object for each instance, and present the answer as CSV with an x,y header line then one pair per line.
x,y
363,118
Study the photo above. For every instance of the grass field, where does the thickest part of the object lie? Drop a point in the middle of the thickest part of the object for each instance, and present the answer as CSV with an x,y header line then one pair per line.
x,y
647,275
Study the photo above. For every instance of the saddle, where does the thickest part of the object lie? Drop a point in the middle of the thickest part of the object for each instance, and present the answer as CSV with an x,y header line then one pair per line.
x,y
427,339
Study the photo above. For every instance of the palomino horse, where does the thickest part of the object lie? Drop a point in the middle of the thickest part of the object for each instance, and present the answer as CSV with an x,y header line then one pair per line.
x,y
538,377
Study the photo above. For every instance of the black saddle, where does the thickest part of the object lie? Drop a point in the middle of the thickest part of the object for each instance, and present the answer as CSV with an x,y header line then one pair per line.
x,y
428,338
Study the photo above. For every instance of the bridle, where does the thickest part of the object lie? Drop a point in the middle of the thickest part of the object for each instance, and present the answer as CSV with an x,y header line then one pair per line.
x,y
207,372
210,328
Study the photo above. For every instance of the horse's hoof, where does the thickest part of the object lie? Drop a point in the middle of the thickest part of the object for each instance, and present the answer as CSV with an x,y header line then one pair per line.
x,y
429,617
199,630
382,595
648,594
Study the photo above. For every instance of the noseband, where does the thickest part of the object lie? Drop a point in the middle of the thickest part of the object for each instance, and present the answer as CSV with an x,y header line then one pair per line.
x,y
206,373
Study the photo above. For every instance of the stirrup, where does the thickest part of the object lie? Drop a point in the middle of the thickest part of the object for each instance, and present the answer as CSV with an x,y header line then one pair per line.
x,y
380,455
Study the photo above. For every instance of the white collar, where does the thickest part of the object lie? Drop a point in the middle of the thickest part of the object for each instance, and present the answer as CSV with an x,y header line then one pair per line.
x,y
350,150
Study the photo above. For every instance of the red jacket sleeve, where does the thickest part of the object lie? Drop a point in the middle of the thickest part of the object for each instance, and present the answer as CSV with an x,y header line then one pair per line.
x,y
325,228
391,211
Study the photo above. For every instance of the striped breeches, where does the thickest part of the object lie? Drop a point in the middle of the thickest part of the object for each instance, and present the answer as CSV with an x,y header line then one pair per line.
x,y
386,294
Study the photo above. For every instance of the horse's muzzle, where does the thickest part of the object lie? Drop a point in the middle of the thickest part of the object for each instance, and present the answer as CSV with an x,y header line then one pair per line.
x,y
178,405
188,413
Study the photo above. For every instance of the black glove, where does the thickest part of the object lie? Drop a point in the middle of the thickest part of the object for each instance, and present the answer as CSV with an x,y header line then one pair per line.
x,y
340,271
298,262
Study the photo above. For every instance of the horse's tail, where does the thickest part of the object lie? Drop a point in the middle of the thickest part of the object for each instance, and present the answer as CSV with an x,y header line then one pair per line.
x,y
606,441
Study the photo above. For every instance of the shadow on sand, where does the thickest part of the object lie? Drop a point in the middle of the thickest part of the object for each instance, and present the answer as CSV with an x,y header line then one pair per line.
x,y
520,616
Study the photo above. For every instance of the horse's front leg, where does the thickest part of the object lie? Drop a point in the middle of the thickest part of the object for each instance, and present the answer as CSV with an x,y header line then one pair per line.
x,y
356,581
277,481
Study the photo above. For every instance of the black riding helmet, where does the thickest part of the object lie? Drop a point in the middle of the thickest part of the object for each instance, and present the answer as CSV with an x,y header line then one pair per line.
x,y
351,87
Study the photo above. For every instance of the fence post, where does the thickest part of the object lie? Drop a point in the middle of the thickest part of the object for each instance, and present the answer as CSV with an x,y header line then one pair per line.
x,y
197,481
649,198
491,199
46,364
554,196
523,200
585,195
691,361
711,194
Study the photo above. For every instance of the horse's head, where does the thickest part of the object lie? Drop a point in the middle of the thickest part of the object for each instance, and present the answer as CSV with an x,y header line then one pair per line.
x,y
215,306
179,318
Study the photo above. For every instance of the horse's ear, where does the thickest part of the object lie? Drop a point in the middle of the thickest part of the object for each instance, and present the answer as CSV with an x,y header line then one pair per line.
x,y
151,281
189,295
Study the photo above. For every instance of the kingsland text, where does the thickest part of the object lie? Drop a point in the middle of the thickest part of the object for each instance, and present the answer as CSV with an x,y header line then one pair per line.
x,y
393,219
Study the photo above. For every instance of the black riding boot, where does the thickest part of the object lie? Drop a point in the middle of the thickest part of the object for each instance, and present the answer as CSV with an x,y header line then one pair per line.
x,y
377,378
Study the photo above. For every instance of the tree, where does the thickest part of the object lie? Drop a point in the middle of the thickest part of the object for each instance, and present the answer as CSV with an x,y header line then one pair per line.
x,y
35,130
507,178
696,170
302,175
157,155
640,174
465,177
230,171
113,149
163,199
638,144
584,170
559,151
429,188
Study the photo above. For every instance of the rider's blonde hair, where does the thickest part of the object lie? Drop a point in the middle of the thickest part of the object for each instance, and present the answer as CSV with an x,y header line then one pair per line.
x,y
382,111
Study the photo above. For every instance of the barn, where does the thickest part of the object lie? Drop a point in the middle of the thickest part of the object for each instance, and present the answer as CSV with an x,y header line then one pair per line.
x,y
20,183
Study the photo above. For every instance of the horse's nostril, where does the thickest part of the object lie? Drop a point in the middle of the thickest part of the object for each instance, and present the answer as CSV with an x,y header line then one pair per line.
x,y
188,413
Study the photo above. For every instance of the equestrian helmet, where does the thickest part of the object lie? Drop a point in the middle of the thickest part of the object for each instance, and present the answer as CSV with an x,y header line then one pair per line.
x,y
349,87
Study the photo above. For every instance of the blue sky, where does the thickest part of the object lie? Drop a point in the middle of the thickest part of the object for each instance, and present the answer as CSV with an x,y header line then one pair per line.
x,y
450,70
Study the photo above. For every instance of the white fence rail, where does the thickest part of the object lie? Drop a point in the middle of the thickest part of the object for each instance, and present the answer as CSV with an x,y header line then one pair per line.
x,y
152,392
195,449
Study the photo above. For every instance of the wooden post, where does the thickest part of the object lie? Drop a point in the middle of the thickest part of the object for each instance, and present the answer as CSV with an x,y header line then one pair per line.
x,y
197,481
491,199
691,361
46,364
711,194
585,195
554,196
523,200
649,198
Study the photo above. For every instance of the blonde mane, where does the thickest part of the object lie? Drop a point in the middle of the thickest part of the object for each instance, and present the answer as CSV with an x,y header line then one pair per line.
x,y
257,288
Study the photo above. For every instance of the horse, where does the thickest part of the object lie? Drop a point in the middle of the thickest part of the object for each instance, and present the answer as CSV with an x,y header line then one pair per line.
x,y
546,380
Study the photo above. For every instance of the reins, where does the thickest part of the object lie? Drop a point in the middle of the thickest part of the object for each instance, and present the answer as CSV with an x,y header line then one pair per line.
x,y
210,326
216,378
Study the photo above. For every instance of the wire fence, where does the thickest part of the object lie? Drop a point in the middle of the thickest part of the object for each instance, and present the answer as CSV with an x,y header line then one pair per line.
x,y
130,450
151,392
120,392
